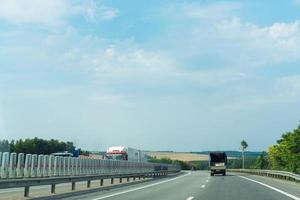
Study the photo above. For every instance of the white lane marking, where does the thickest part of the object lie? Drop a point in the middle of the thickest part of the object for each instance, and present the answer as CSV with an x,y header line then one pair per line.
x,y
202,186
206,181
190,198
140,188
273,188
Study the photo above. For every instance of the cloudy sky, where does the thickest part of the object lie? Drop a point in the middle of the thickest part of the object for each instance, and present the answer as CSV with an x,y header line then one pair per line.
x,y
157,75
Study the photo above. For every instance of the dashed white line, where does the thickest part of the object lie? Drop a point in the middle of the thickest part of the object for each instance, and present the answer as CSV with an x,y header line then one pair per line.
x,y
272,188
190,198
140,188
202,186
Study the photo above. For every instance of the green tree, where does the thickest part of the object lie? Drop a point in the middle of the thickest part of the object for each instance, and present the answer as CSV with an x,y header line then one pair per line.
x,y
40,146
285,155
4,146
262,161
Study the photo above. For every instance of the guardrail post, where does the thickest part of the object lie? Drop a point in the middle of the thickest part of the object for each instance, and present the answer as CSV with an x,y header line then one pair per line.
x,y
120,180
52,188
112,181
128,179
27,167
34,165
20,165
133,178
73,185
101,182
5,165
26,191
13,165
88,183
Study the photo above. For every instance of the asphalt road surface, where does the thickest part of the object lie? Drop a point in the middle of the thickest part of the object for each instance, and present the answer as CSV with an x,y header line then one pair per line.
x,y
200,186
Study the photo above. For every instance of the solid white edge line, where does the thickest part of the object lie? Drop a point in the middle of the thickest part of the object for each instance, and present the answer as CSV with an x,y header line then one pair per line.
x,y
140,188
190,198
273,188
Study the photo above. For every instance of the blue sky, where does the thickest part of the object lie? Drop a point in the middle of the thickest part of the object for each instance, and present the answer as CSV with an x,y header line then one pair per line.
x,y
157,75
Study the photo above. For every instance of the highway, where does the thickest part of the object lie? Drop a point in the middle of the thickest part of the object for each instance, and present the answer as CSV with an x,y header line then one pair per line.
x,y
200,186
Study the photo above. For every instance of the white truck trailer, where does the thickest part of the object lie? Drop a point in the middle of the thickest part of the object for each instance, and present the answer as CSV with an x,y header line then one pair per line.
x,y
126,153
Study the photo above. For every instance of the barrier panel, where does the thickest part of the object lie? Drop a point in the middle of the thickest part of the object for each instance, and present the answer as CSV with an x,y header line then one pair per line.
x,y
40,165
45,165
13,165
0,162
33,170
5,165
27,167
51,166
20,165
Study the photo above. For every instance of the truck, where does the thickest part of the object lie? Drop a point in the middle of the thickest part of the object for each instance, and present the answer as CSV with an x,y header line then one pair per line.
x,y
217,163
126,153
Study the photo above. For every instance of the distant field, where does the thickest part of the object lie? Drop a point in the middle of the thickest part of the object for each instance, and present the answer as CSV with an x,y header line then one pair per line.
x,y
178,155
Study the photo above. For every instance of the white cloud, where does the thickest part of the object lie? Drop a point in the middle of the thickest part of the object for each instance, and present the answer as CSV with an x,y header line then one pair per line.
x,y
53,12
95,12
212,11
119,58
34,11
196,30
262,45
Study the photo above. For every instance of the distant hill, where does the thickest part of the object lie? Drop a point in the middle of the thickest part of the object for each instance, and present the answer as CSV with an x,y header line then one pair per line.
x,y
232,153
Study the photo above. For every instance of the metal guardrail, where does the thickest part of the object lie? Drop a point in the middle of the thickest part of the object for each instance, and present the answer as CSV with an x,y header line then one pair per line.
x,y
34,170
270,173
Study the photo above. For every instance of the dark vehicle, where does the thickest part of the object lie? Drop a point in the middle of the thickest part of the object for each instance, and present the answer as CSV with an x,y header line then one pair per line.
x,y
217,163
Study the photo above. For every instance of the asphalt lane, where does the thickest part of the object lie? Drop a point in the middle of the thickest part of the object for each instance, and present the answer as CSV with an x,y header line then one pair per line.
x,y
200,186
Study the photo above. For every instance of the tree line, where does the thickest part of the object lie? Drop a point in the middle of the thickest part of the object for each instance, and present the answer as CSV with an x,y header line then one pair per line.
x,y
35,146
285,155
